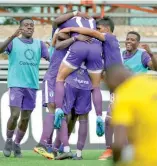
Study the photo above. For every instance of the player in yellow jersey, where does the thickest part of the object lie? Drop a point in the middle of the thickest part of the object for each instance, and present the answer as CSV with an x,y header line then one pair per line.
x,y
134,115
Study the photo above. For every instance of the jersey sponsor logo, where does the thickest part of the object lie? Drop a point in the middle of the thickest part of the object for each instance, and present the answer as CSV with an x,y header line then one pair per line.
x,y
27,63
29,54
81,81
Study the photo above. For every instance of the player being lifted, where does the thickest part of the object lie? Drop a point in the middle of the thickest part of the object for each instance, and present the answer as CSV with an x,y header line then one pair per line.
x,y
91,54
112,56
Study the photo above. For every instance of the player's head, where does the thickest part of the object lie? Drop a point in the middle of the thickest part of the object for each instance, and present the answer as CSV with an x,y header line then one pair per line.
x,y
105,25
116,75
27,26
132,41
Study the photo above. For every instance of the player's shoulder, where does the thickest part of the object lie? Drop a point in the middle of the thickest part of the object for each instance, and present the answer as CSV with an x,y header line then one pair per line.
x,y
141,50
111,37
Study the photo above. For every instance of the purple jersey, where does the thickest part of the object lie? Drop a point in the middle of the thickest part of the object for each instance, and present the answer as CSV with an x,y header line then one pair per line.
x,y
54,65
111,49
44,50
145,58
79,79
79,22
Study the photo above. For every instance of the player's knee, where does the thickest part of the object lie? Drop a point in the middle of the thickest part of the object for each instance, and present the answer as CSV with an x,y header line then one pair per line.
x,y
25,120
83,117
14,117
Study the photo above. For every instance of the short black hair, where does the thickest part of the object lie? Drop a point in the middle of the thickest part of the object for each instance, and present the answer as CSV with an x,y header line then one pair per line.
x,y
25,18
135,33
106,21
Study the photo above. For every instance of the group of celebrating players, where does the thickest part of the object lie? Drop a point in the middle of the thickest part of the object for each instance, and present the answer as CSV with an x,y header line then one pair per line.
x,y
85,53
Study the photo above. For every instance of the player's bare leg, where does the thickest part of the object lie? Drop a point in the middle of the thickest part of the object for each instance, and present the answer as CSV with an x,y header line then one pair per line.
x,y
72,118
82,135
22,127
44,147
11,125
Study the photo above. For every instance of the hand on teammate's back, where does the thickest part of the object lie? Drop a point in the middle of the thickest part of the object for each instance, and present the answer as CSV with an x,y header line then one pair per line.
x,y
84,38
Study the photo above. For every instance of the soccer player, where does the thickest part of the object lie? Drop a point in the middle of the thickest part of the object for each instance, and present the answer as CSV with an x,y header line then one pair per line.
x,y
130,115
23,81
74,57
63,41
137,60
78,96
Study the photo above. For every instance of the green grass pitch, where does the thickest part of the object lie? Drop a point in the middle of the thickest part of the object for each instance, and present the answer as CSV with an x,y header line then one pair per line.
x,y
30,158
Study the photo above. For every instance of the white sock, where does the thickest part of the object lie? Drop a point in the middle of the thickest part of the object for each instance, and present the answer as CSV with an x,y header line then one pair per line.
x,y
79,153
66,149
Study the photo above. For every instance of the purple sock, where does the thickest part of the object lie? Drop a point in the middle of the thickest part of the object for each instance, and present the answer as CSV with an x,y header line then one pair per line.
x,y
49,140
48,128
108,133
97,101
19,135
64,133
10,134
59,94
57,140
82,134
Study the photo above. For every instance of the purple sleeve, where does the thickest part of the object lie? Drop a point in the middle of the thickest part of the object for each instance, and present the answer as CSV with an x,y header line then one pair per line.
x,y
112,53
9,48
145,59
44,51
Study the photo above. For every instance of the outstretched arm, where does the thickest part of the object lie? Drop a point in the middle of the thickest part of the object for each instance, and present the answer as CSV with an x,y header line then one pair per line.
x,y
61,19
85,31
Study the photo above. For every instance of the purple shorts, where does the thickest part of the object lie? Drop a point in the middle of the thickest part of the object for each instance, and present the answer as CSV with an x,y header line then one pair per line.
x,y
24,98
78,99
90,53
48,88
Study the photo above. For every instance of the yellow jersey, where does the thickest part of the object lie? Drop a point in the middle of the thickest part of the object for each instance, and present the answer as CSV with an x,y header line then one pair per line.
x,y
135,107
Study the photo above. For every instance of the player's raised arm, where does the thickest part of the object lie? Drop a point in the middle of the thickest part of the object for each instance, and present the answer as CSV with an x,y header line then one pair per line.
x,y
61,19
85,31
3,45
152,64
